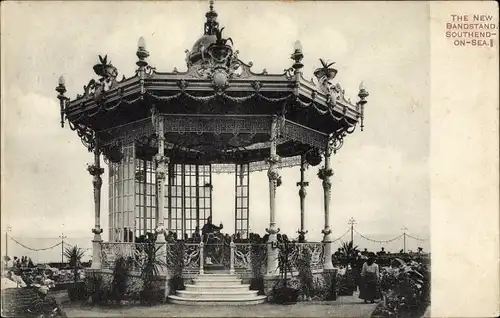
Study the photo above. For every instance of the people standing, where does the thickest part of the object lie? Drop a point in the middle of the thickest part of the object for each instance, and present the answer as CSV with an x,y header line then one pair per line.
x,y
370,280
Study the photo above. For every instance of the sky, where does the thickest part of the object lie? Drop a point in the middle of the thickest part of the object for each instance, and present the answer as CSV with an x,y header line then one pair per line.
x,y
381,174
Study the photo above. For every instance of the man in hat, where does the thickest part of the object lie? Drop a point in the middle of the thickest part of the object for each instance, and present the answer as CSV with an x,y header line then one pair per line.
x,y
208,231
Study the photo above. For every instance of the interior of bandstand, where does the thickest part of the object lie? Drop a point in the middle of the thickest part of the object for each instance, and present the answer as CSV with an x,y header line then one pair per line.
x,y
188,196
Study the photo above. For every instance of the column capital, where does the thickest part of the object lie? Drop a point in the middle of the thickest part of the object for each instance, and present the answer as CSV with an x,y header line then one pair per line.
x,y
272,230
274,159
95,170
302,184
325,173
326,231
97,230
160,229
162,159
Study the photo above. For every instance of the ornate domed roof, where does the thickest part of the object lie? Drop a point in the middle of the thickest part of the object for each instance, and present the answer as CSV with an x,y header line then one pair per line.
x,y
208,38
200,47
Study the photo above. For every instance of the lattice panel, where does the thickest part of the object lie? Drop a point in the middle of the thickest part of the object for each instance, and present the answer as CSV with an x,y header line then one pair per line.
x,y
242,203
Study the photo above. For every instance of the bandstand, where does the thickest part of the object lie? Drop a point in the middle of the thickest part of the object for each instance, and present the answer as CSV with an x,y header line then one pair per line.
x,y
163,135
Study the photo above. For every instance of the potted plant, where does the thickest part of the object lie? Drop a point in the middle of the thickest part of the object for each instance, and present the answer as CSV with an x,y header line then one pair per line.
x,y
175,261
220,50
303,265
325,70
150,270
313,157
348,257
74,256
283,293
119,283
105,69
257,259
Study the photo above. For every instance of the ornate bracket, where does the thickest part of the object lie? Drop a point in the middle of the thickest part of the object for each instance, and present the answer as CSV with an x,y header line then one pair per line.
x,y
325,174
273,231
300,232
336,141
95,170
97,230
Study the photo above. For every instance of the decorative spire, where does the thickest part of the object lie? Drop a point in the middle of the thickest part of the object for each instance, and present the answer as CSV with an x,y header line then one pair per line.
x,y
211,25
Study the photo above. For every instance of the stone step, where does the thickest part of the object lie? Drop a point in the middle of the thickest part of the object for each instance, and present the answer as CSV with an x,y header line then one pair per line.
x,y
235,287
217,294
217,276
214,282
217,301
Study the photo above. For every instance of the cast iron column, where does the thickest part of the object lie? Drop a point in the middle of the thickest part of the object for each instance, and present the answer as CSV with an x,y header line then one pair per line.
x,y
96,171
273,176
302,194
327,186
161,171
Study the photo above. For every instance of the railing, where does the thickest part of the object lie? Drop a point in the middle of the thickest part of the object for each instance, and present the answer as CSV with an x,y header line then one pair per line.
x,y
317,252
247,253
132,252
192,257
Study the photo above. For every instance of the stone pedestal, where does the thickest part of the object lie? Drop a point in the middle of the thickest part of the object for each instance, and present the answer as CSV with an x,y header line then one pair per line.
x,y
272,256
327,241
96,251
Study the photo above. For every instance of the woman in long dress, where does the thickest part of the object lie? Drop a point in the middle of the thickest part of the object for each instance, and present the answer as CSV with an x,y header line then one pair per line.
x,y
370,281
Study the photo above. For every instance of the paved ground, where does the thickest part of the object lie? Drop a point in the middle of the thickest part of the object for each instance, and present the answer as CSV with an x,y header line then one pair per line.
x,y
349,306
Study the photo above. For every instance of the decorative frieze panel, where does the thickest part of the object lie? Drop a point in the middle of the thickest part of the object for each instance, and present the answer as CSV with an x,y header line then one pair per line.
x,y
126,134
304,135
257,165
217,124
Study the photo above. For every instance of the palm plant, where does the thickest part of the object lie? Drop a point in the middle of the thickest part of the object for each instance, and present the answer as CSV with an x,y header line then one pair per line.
x,y
284,294
349,253
258,255
120,272
325,64
220,40
325,70
74,257
151,267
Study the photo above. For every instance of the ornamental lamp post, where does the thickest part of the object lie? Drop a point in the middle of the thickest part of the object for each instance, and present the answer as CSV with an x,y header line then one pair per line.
x,y
142,53
297,56
61,89
363,94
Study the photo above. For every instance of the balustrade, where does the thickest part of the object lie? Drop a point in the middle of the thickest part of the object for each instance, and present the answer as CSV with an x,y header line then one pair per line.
x,y
190,257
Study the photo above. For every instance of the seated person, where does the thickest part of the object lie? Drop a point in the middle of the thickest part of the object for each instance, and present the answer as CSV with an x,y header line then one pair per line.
x,y
196,234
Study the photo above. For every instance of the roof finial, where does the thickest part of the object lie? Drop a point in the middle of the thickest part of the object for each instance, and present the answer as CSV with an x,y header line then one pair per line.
x,y
211,25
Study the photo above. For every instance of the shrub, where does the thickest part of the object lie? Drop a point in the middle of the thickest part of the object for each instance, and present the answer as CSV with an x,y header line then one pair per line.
x,y
257,260
76,291
176,265
150,271
303,265
96,290
119,283
406,289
